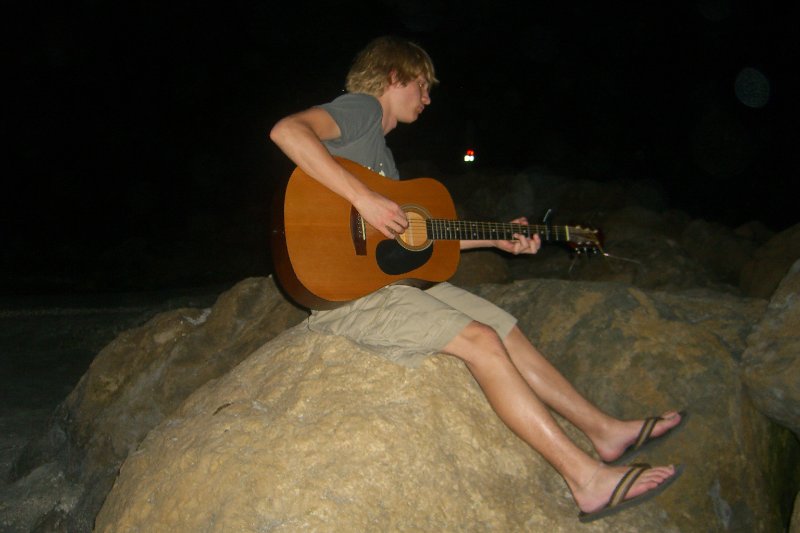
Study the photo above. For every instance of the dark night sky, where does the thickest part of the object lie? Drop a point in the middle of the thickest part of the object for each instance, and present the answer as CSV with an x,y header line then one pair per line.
x,y
140,129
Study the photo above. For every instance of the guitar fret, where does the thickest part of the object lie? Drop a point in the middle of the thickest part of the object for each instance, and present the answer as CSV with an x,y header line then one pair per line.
x,y
444,229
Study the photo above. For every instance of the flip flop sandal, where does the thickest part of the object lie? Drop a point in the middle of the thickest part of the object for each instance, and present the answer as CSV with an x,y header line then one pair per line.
x,y
645,441
618,503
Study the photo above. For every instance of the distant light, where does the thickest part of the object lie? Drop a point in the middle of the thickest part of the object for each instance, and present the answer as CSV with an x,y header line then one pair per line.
x,y
469,157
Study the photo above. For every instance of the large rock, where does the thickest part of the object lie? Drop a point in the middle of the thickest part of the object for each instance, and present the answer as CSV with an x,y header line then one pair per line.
x,y
771,363
761,275
644,249
669,349
532,193
132,385
314,433
648,245
718,248
481,266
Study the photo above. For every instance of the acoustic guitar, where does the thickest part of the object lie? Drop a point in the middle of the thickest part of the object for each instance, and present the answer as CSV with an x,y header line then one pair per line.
x,y
325,254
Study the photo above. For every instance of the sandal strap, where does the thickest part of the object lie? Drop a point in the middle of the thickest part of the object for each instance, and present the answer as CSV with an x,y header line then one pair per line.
x,y
647,430
625,484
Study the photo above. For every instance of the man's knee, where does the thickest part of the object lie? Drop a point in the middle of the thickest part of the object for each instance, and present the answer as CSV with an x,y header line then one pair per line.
x,y
477,342
480,333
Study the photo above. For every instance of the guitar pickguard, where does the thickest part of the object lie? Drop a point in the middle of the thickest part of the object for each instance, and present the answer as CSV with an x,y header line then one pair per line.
x,y
394,259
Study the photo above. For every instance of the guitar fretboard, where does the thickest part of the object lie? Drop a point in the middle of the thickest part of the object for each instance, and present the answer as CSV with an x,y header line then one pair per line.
x,y
464,230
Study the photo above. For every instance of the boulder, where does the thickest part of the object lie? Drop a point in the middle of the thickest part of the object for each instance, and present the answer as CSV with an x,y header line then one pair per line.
x,y
133,384
717,248
761,275
755,231
649,245
311,432
644,249
771,363
481,266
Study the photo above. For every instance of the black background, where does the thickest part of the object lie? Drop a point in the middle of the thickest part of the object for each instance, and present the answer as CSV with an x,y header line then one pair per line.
x,y
140,129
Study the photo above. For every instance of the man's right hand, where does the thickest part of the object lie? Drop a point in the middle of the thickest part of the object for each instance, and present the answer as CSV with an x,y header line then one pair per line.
x,y
381,213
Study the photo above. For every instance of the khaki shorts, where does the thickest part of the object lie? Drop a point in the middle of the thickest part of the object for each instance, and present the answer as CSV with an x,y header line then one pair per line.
x,y
405,324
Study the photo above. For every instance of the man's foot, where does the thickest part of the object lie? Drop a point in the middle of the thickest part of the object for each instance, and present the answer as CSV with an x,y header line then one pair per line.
x,y
629,438
612,489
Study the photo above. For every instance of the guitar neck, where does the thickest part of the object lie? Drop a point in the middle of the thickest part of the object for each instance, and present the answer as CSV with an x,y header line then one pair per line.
x,y
464,230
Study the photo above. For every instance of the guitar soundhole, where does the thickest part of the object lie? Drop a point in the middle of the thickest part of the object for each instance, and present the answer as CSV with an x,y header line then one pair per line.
x,y
394,259
415,237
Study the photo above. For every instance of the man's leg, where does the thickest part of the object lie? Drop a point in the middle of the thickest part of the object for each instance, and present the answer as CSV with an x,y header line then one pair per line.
x,y
609,436
590,481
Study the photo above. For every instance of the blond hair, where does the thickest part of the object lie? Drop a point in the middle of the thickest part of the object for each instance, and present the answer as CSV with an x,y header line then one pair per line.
x,y
374,66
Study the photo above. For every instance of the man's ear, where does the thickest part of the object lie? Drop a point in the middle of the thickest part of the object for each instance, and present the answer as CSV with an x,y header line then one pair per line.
x,y
393,77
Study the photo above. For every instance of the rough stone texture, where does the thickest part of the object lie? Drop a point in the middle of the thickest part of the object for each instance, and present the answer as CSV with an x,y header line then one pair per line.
x,y
133,384
481,266
647,246
534,191
771,364
671,349
651,250
718,248
761,275
314,433
651,247
637,255
755,231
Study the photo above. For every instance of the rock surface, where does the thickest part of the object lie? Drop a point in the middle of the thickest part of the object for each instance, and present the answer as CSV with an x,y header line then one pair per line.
x,y
771,364
649,245
61,479
312,432
133,384
762,274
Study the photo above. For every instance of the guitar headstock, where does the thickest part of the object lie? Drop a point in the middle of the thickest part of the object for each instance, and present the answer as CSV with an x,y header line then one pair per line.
x,y
585,240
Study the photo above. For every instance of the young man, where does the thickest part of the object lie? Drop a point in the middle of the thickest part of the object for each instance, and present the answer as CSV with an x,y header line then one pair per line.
x,y
389,83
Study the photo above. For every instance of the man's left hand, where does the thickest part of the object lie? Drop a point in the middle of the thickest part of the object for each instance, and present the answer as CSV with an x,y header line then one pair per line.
x,y
521,244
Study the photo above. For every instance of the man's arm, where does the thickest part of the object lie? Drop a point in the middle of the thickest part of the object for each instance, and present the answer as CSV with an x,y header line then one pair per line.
x,y
300,137
521,244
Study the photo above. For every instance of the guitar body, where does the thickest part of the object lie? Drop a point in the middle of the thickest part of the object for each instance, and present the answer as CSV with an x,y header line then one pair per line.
x,y
325,255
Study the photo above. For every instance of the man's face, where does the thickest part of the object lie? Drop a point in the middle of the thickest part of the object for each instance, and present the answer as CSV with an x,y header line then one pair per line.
x,y
412,97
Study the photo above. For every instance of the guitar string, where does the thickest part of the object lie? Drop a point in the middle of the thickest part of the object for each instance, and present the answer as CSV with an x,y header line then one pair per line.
x,y
502,226
537,227
462,223
452,236
476,230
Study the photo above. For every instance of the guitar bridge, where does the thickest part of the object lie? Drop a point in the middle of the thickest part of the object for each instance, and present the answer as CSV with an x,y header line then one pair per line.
x,y
358,232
